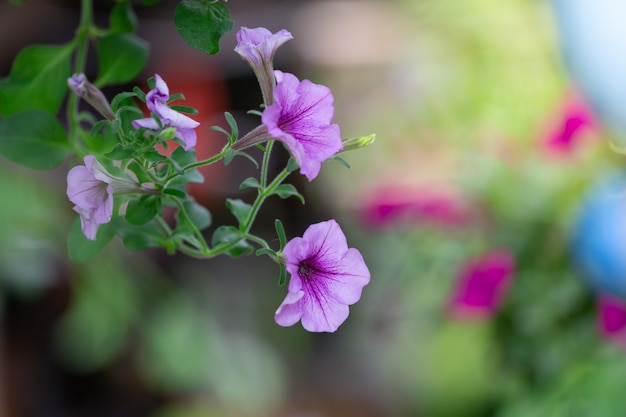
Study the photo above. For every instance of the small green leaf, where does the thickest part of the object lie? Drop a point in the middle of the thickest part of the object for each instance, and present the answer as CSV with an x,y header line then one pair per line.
x,y
142,210
201,24
280,231
121,152
249,182
288,190
141,237
33,138
80,249
292,165
175,192
121,97
121,57
239,208
265,251
341,161
226,234
199,215
154,156
283,275
234,129
122,18
185,109
230,235
183,157
37,80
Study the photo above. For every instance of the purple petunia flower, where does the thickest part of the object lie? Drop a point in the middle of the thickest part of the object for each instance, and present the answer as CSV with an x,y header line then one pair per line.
x,y
156,100
326,277
482,284
258,46
89,188
301,118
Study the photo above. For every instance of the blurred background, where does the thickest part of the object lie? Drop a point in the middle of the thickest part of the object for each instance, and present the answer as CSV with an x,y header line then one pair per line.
x,y
490,212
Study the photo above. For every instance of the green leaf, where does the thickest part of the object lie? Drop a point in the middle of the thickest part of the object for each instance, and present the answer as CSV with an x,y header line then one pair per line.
x,y
33,138
201,24
199,215
141,237
175,192
37,80
341,161
142,210
121,97
283,275
185,109
234,129
292,165
121,152
288,190
121,57
239,208
250,182
230,235
80,249
122,18
280,231
265,251
226,234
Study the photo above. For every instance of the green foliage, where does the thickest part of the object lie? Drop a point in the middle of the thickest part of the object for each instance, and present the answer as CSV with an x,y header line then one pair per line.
x,y
81,249
33,138
122,18
37,80
240,210
95,329
198,215
288,190
122,57
232,239
202,23
168,332
140,211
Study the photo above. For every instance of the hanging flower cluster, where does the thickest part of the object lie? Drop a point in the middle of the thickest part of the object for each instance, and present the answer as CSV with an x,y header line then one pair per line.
x,y
127,197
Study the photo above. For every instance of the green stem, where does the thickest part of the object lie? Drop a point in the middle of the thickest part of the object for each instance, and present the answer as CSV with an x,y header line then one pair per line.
x,y
80,58
260,199
197,164
196,232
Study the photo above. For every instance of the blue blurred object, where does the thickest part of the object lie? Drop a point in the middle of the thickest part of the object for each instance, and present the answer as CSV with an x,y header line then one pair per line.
x,y
599,236
593,42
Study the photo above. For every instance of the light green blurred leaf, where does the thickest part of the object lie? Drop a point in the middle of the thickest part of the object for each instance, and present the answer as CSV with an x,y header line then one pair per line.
x,y
33,138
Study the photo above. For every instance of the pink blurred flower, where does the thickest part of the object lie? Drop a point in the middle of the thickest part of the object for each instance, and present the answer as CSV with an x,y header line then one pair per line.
x,y
574,120
395,204
482,284
612,318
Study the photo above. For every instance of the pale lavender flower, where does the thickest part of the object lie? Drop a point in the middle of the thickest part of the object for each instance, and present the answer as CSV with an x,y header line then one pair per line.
x,y
258,46
301,119
89,188
326,277
156,100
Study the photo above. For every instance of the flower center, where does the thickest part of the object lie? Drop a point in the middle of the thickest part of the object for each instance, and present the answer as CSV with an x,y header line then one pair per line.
x,y
305,270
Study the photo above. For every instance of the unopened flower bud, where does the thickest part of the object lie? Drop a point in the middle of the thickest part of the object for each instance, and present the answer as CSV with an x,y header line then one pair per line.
x,y
91,94
357,143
